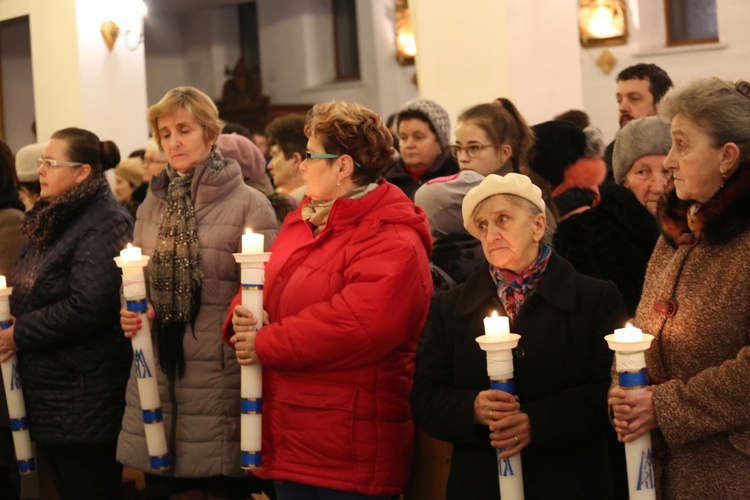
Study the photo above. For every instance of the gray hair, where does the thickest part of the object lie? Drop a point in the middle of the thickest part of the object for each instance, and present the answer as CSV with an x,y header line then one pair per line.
x,y
717,106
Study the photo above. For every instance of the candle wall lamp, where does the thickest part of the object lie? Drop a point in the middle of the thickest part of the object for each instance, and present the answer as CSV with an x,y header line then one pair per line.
x,y
602,22
406,46
130,15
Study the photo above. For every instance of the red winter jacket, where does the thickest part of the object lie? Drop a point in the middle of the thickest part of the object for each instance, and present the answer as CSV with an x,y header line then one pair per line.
x,y
346,309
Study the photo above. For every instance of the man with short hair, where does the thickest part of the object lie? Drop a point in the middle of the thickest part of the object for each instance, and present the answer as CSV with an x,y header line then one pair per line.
x,y
639,89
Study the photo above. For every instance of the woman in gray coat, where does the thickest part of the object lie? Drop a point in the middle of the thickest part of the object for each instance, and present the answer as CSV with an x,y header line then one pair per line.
x,y
190,224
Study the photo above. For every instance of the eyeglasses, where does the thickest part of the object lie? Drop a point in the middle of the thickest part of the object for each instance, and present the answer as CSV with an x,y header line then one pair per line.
x,y
473,150
48,163
326,156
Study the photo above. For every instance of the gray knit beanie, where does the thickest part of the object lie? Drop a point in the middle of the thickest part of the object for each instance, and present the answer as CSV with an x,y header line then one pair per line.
x,y
441,199
641,137
434,112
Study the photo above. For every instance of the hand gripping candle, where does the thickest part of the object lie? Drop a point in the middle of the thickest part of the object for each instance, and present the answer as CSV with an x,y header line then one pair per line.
x,y
499,343
134,289
629,344
252,275
14,393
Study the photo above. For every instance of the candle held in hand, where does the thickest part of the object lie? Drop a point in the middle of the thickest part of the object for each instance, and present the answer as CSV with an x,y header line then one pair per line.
x,y
3,283
252,242
628,334
496,328
130,254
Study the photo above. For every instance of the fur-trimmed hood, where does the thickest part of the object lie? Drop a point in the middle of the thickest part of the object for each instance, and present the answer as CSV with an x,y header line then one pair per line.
x,y
720,219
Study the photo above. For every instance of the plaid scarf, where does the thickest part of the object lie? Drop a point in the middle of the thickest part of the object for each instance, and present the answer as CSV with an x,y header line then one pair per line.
x,y
176,273
513,289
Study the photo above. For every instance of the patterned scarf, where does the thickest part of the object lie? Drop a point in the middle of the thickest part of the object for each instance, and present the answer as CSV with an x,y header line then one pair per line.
x,y
46,221
513,289
176,273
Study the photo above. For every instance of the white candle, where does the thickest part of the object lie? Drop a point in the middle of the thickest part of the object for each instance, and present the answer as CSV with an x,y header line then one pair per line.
x,y
628,334
252,242
496,328
130,254
3,283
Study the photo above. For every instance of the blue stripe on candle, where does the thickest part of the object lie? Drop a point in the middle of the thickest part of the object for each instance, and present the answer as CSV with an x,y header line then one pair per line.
x,y
249,286
137,306
160,463
151,416
26,466
250,460
632,379
251,405
5,324
508,386
19,424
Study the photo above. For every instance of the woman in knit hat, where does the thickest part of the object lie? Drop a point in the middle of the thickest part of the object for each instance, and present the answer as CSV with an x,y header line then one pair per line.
x,y
424,130
28,177
569,160
562,365
638,162
347,292
252,162
614,240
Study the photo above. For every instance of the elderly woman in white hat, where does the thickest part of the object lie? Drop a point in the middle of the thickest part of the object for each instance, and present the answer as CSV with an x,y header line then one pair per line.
x,y
558,420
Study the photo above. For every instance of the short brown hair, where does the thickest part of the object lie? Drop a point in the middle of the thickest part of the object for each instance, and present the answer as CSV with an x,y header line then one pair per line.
x,y
197,104
349,128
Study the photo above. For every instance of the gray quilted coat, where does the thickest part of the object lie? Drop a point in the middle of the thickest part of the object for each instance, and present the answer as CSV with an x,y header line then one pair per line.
x,y
201,410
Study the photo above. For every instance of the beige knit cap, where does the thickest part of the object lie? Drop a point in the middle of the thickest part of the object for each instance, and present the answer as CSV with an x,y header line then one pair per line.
x,y
512,183
26,162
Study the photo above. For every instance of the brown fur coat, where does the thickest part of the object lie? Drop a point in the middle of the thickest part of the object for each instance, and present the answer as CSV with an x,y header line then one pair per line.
x,y
700,357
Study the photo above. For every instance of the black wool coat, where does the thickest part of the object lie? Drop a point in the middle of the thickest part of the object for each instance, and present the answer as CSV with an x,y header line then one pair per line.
x,y
73,357
612,241
562,373
398,175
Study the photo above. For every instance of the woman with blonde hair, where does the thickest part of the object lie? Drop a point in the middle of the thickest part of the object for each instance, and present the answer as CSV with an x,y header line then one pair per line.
x,y
190,225
348,287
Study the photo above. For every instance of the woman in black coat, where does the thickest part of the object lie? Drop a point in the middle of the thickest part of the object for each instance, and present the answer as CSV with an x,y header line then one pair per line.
x,y
562,364
73,359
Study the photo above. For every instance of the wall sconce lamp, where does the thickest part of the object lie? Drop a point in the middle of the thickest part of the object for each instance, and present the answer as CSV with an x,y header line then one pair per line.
x,y
406,46
131,16
602,22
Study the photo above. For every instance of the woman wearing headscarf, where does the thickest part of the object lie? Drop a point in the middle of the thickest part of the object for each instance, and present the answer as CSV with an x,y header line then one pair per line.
x,y
190,224
696,405
558,422
72,357
424,132
348,288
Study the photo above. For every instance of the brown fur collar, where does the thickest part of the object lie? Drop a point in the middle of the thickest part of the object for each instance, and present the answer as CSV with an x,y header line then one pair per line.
x,y
720,219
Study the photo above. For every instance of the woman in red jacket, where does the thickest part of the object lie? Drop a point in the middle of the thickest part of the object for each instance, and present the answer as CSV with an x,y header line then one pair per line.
x,y
347,291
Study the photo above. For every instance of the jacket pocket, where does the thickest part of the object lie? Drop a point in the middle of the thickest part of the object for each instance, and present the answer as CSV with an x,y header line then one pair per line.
x,y
317,421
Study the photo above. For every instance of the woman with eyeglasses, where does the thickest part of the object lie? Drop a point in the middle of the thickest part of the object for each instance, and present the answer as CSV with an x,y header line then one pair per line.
x,y
73,360
347,292
190,224
492,138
